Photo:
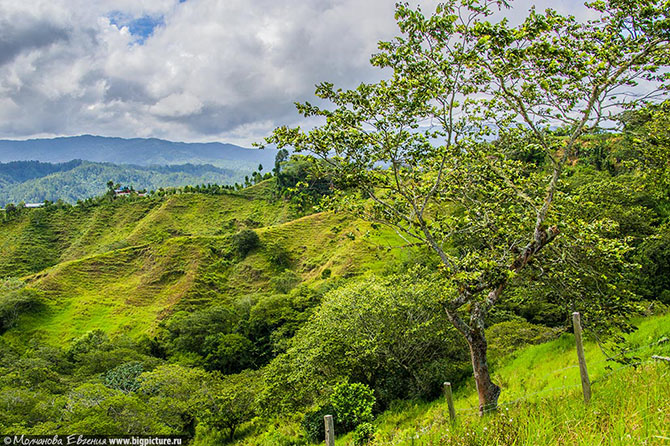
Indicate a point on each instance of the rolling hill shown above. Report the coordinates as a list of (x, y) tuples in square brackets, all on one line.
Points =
[(123, 266), (35, 182)]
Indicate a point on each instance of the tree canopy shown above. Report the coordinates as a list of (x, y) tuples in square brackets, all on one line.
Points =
[(427, 147)]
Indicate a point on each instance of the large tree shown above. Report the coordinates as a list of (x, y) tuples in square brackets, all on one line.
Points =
[(430, 147)]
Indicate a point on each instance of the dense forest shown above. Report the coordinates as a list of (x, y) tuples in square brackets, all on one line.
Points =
[(382, 259), (36, 182)]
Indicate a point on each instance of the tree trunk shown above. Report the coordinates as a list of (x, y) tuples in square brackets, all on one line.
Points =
[(487, 390)]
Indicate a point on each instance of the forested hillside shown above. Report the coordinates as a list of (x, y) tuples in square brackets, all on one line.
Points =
[(465, 221), (254, 286), (35, 182)]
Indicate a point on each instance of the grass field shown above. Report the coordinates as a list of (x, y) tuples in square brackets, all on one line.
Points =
[(542, 402)]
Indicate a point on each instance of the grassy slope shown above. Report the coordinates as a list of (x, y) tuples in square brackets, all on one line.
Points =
[(542, 400), (123, 267)]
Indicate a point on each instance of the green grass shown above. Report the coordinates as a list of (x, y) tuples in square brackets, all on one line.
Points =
[(124, 266), (542, 402)]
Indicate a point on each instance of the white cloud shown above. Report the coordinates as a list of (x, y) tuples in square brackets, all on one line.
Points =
[(176, 105), (212, 70)]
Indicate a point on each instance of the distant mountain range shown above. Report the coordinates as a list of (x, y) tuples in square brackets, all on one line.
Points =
[(78, 167), (34, 181), (137, 151)]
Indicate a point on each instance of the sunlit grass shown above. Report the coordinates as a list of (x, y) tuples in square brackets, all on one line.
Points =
[(543, 405)]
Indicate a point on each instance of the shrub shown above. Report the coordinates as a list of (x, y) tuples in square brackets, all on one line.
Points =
[(231, 402), (124, 377), (245, 241), (285, 281), (91, 341), (314, 425), (363, 434), (353, 404), (278, 255), (15, 299), (228, 353), (326, 273)]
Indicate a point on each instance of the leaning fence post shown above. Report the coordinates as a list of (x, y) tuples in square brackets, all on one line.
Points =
[(586, 383), (330, 430), (450, 402)]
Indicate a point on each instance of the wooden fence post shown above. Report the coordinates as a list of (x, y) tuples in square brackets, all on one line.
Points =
[(586, 383), (330, 430), (450, 402)]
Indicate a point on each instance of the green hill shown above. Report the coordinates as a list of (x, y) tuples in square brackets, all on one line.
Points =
[(123, 266), (163, 286), (35, 182)]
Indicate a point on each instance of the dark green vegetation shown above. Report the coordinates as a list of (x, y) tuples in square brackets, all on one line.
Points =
[(245, 315), (197, 312), (35, 182)]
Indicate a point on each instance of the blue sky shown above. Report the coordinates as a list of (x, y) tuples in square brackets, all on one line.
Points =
[(141, 27)]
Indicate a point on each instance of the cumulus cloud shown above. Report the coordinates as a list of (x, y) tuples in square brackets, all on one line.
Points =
[(195, 70)]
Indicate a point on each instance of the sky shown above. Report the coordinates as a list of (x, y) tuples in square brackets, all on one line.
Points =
[(186, 70)]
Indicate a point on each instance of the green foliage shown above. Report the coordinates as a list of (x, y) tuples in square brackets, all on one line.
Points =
[(363, 434), (303, 181), (187, 331), (245, 241), (97, 409), (124, 377), (654, 258), (387, 333), (313, 424), (92, 341), (232, 402), (353, 404), (648, 139), (285, 281), (274, 320), (278, 255), (506, 337), (16, 299), (228, 353), (177, 394)]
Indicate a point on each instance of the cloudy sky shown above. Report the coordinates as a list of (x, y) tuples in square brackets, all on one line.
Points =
[(195, 70)]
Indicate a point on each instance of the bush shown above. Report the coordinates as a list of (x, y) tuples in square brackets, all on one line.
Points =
[(228, 353), (96, 340), (506, 337), (285, 282), (314, 425), (278, 255), (353, 404), (326, 273), (363, 434), (387, 333), (245, 241), (231, 402), (124, 377), (15, 299)]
